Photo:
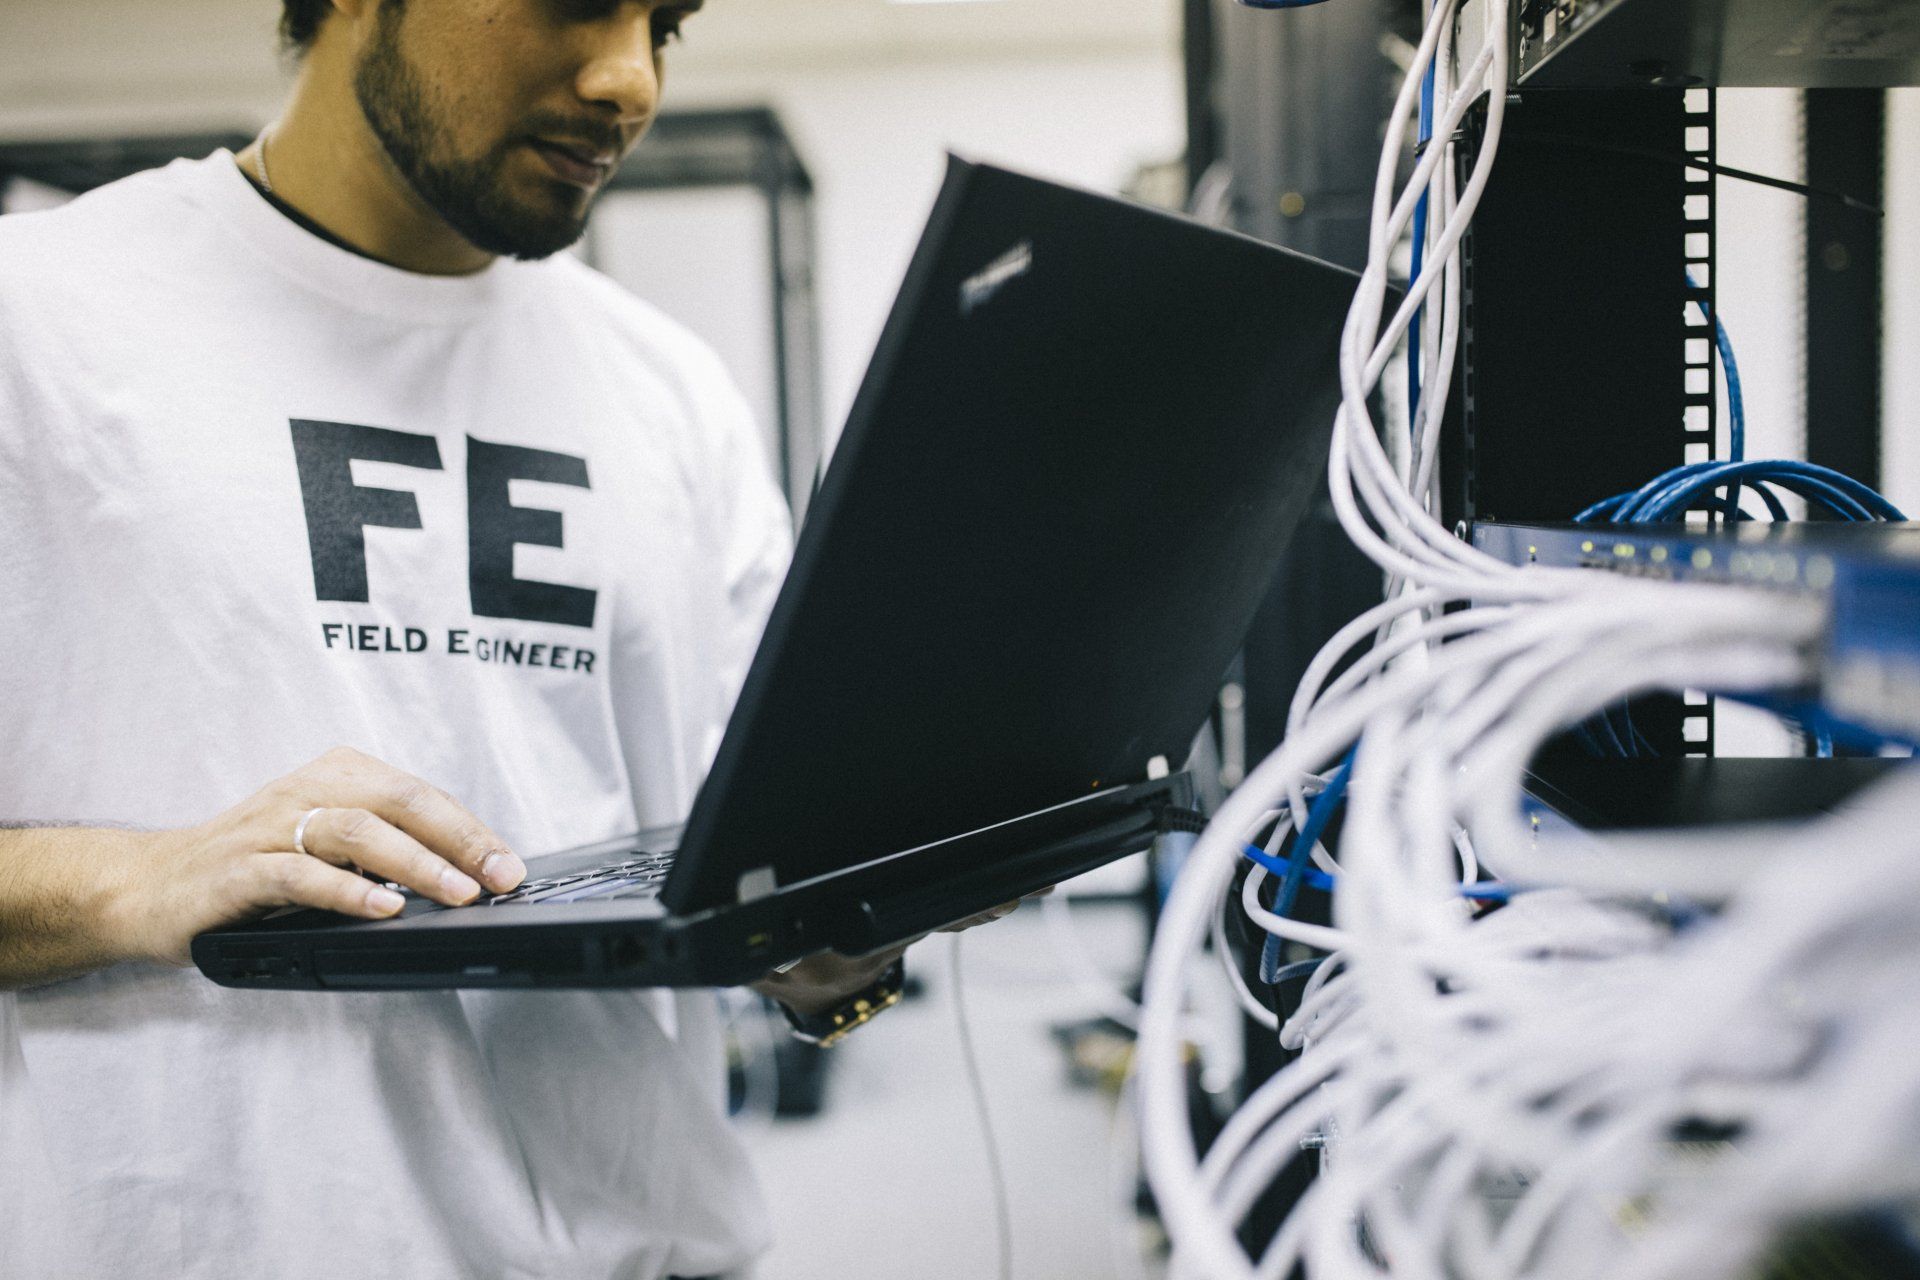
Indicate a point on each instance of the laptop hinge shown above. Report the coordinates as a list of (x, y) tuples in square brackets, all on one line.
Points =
[(758, 883)]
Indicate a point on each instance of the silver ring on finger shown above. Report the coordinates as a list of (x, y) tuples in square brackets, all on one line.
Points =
[(300, 832)]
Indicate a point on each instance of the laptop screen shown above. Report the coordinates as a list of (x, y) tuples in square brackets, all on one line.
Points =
[(1087, 435)]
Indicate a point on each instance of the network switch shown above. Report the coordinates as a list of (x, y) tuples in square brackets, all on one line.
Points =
[(1868, 572)]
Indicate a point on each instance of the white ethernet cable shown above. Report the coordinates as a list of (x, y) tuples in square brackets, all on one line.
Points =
[(1568, 1043), (1447, 1051), (1414, 546), (1550, 1053)]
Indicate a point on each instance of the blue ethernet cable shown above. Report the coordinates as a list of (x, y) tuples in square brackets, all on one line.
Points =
[(1420, 215), (1315, 878), (1671, 494), (1665, 494), (1296, 869), (1736, 398), (1718, 486), (1483, 891), (1668, 496), (1304, 969), (1607, 512), (1835, 500), (1319, 814), (1260, 857)]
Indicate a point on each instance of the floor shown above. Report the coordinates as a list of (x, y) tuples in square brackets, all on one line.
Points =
[(891, 1181)]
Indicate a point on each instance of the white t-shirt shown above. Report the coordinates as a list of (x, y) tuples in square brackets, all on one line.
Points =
[(511, 532)]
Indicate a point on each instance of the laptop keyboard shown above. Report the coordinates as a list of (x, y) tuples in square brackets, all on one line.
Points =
[(640, 876)]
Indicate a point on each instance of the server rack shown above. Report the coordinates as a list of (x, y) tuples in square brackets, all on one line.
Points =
[(1587, 358)]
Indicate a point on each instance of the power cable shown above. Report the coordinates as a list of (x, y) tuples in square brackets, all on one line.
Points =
[(996, 1171)]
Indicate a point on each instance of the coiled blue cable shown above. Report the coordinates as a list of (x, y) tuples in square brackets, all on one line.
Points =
[(1669, 496), (1695, 486)]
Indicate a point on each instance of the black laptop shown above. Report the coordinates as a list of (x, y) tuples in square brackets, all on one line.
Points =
[(1088, 433)]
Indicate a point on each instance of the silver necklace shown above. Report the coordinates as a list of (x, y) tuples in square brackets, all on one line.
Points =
[(260, 154)]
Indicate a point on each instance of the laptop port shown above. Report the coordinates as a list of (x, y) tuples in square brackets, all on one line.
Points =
[(626, 953)]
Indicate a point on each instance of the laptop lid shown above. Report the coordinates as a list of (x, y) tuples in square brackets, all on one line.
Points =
[(1088, 432)]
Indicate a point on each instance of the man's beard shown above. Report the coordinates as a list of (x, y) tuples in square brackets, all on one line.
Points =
[(468, 194)]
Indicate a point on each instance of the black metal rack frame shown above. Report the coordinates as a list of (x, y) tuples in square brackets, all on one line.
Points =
[(1587, 358)]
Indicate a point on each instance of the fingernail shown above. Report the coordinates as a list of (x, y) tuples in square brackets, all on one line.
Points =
[(458, 884), (384, 901), (502, 870)]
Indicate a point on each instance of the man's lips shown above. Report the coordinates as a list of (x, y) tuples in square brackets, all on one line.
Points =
[(580, 166)]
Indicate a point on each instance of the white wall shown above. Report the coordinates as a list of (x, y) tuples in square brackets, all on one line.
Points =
[(1762, 279), (1762, 290), (874, 94), (73, 67), (1762, 265), (717, 281), (874, 138)]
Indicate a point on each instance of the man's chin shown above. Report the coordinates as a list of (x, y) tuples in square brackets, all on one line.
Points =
[(521, 235), (533, 249), (540, 224)]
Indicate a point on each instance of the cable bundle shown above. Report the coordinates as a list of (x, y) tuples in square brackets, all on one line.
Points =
[(1712, 486), (1665, 1046)]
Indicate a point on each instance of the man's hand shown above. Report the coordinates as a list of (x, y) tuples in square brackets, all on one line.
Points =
[(823, 981), (72, 899)]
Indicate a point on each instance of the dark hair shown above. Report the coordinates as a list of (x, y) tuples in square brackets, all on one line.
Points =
[(300, 22)]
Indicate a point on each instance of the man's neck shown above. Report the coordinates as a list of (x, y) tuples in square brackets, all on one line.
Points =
[(323, 161), (300, 219)]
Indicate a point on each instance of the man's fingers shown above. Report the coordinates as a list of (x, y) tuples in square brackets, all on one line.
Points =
[(429, 815), (363, 839), (290, 880)]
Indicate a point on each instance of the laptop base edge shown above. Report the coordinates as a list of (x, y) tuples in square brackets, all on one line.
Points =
[(605, 946)]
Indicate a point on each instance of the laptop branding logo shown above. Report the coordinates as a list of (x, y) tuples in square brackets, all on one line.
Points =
[(979, 290)]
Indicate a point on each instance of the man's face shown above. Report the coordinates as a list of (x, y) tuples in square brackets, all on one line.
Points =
[(507, 116)]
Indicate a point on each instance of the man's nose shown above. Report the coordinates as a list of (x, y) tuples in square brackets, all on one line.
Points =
[(622, 73)]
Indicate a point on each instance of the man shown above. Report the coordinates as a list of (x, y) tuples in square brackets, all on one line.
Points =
[(321, 444)]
